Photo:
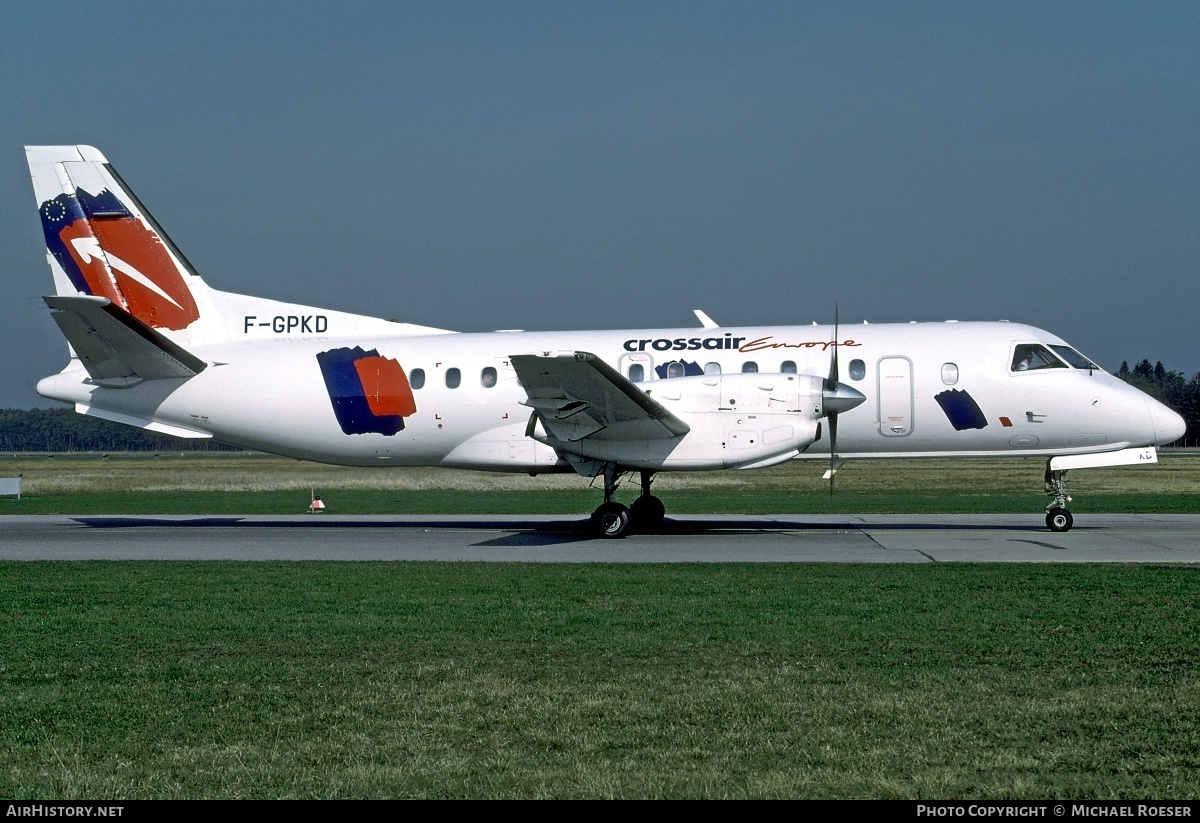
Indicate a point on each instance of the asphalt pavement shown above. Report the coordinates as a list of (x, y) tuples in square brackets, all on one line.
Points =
[(862, 538)]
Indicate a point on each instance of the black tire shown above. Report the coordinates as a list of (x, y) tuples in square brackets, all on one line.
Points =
[(1059, 520), (647, 513), (611, 520)]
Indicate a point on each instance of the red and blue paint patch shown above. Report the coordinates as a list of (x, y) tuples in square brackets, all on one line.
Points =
[(107, 252), (370, 393)]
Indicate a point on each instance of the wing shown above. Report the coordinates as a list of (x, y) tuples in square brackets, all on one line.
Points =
[(578, 395), (114, 346)]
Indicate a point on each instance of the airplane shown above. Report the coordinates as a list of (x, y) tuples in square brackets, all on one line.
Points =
[(152, 345)]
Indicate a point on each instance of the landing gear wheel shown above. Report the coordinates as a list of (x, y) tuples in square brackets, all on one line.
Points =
[(1059, 520), (611, 520), (647, 512)]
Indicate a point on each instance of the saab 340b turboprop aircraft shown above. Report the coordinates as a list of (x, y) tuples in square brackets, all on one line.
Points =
[(152, 345)]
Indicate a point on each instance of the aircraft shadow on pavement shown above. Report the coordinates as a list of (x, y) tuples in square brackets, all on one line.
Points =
[(543, 532)]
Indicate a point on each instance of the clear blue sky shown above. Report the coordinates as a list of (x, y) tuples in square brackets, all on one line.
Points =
[(605, 165)]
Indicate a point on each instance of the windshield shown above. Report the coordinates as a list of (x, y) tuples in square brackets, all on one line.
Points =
[(1032, 356), (1074, 358)]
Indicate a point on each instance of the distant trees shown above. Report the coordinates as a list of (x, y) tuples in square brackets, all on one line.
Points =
[(1173, 389), (62, 430)]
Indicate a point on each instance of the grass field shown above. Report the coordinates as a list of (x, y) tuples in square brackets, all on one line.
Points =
[(222, 483), (263, 680), (128, 680)]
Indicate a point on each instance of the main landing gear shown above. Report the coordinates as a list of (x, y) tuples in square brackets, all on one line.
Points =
[(613, 519), (1058, 519)]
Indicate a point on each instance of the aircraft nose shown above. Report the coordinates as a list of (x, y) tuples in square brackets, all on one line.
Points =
[(1168, 426)]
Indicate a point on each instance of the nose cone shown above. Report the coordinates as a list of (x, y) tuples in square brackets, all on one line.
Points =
[(1168, 426)]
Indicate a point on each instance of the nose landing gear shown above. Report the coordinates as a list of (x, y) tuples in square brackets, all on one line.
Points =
[(1058, 519)]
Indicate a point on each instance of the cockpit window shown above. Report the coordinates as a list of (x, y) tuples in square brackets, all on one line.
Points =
[(1074, 358), (1028, 357)]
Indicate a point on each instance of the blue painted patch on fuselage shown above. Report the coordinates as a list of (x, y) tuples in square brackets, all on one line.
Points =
[(961, 410), (349, 399)]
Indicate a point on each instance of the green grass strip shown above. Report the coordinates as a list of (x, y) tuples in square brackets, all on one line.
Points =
[(160, 680)]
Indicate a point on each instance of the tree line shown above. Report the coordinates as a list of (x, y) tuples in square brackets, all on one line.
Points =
[(1171, 388), (62, 430)]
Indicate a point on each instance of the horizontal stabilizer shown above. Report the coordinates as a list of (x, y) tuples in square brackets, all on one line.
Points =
[(115, 347), (578, 395), (141, 423)]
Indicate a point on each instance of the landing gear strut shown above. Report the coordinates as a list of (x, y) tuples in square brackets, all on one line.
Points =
[(612, 519), (1058, 519)]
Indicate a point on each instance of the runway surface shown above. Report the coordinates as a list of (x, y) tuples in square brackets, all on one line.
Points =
[(865, 538)]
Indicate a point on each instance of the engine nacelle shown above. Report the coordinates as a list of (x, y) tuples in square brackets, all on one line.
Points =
[(748, 393), (737, 421), (743, 420)]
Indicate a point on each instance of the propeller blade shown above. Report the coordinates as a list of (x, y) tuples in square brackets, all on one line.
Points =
[(831, 388), (836, 398), (831, 381), (832, 450)]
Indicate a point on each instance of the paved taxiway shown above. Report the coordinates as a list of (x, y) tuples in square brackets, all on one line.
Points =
[(866, 538)]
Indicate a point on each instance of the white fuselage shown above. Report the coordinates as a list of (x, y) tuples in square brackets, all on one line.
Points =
[(269, 394)]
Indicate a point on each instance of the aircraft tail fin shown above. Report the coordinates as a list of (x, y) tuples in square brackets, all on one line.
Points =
[(102, 242)]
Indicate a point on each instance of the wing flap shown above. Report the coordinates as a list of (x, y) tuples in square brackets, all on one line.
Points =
[(578, 395), (116, 347)]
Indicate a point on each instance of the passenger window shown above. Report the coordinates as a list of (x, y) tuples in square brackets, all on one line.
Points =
[(712, 368), (788, 367), (1029, 357), (416, 378), (675, 369), (453, 378), (637, 373), (750, 367), (949, 373), (487, 377), (858, 369)]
